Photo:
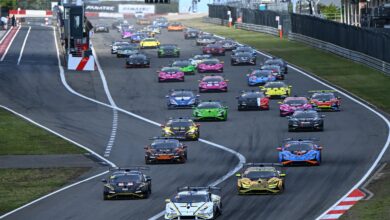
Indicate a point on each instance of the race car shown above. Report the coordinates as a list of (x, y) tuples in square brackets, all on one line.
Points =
[(228, 44), (260, 178), (205, 39), (138, 60), (305, 120), (170, 74), (185, 66), (181, 98), (245, 49), (300, 152), (291, 104), (279, 62), (276, 89), (127, 33), (149, 43), (175, 26), (150, 34), (260, 77), (191, 33), (161, 22), (210, 65), (242, 58), (210, 111), (181, 128), (101, 28), (127, 51), (165, 150), (252, 100), (153, 28), (138, 37), (143, 21), (194, 203), (196, 59), (168, 50), (276, 70), (213, 84), (117, 45), (214, 49), (127, 182), (325, 100)]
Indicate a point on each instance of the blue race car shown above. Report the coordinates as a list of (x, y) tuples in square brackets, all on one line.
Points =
[(300, 152), (138, 37), (260, 77), (181, 98)]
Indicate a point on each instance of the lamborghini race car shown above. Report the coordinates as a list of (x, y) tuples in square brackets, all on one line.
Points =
[(276, 70), (181, 128), (138, 60), (260, 178), (306, 120), (276, 89), (126, 51), (242, 58), (191, 33), (245, 49), (214, 49), (161, 22), (127, 32), (127, 182), (185, 66), (194, 203), (175, 26), (277, 61), (168, 50), (165, 150), (153, 28), (181, 98), (325, 100), (101, 28), (170, 74), (149, 43), (213, 83), (205, 39), (291, 104), (252, 100), (300, 152), (210, 65), (138, 37), (196, 59), (228, 44), (117, 45), (210, 111), (260, 77)]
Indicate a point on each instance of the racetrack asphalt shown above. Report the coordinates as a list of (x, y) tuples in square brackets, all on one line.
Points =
[(352, 138)]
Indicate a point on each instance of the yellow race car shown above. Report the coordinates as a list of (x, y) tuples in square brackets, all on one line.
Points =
[(181, 128), (276, 90), (260, 178), (149, 43)]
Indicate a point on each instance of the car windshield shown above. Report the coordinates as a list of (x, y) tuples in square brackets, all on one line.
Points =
[(243, 54), (190, 198), (270, 67), (170, 69), (210, 62), (179, 123), (150, 39), (214, 46), (205, 105), (253, 95), (277, 62), (305, 114), (120, 43), (261, 73), (182, 93), (260, 175), (325, 96), (138, 56), (181, 63), (244, 49), (298, 146), (127, 178), (201, 57), (275, 85), (206, 37), (167, 46), (295, 102), (212, 79), (165, 144)]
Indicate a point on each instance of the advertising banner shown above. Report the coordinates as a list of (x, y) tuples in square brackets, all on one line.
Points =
[(146, 9), (100, 8)]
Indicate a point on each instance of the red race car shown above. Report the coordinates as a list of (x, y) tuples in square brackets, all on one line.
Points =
[(213, 83), (214, 49), (325, 100)]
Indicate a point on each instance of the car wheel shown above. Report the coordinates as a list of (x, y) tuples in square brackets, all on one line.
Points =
[(290, 129), (105, 197), (232, 63)]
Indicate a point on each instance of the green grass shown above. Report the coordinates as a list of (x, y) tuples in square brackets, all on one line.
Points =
[(20, 186), (19, 137), (377, 208), (370, 85)]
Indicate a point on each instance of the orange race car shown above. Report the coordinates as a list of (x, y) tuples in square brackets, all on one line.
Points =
[(175, 26), (165, 149)]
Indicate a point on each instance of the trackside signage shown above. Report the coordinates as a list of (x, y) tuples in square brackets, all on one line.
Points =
[(100, 8), (146, 9)]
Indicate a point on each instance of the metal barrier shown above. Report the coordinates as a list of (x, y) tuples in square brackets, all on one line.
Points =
[(258, 28), (215, 21), (350, 54)]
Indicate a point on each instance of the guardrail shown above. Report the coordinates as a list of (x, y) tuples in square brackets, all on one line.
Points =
[(350, 54), (215, 21), (258, 28)]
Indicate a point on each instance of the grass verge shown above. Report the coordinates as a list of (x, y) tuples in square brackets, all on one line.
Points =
[(378, 207), (370, 85), (19, 137), (20, 186)]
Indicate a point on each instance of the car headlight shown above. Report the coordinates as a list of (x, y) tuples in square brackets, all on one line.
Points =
[(171, 212), (191, 131), (206, 210), (173, 101), (243, 103), (192, 101)]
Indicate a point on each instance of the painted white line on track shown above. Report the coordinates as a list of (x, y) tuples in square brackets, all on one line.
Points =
[(5, 35), (24, 44), (9, 45)]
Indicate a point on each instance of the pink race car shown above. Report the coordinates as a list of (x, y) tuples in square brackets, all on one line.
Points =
[(291, 104), (213, 83), (170, 74), (210, 65)]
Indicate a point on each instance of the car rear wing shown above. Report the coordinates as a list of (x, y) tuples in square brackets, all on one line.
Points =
[(262, 165), (198, 188), (130, 168), (301, 139), (164, 138), (321, 91)]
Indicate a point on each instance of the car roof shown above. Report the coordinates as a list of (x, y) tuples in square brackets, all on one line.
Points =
[(210, 77), (295, 98), (254, 169)]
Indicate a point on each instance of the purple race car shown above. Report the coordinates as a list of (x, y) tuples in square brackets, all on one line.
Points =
[(290, 104), (210, 65), (127, 33), (170, 74), (213, 83)]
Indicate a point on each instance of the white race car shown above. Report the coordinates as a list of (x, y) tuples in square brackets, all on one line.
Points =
[(194, 203)]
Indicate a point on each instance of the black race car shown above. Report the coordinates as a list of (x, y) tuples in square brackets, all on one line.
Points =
[(181, 128), (305, 120), (252, 100), (228, 44), (276, 70), (127, 50), (191, 33), (127, 182), (101, 28), (278, 62), (245, 49), (168, 50), (165, 150), (242, 58), (138, 60)]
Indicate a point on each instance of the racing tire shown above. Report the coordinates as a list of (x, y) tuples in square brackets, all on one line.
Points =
[(105, 197), (290, 129), (232, 63), (221, 71)]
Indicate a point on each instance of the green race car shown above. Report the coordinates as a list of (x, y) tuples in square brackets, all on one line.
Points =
[(210, 110), (168, 50), (185, 66)]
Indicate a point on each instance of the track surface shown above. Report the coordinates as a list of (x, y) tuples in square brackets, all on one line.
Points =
[(352, 138)]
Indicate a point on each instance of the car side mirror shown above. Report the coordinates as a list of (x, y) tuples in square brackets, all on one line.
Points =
[(282, 174), (148, 178), (167, 200), (197, 125), (280, 102), (279, 149), (238, 175), (104, 181)]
